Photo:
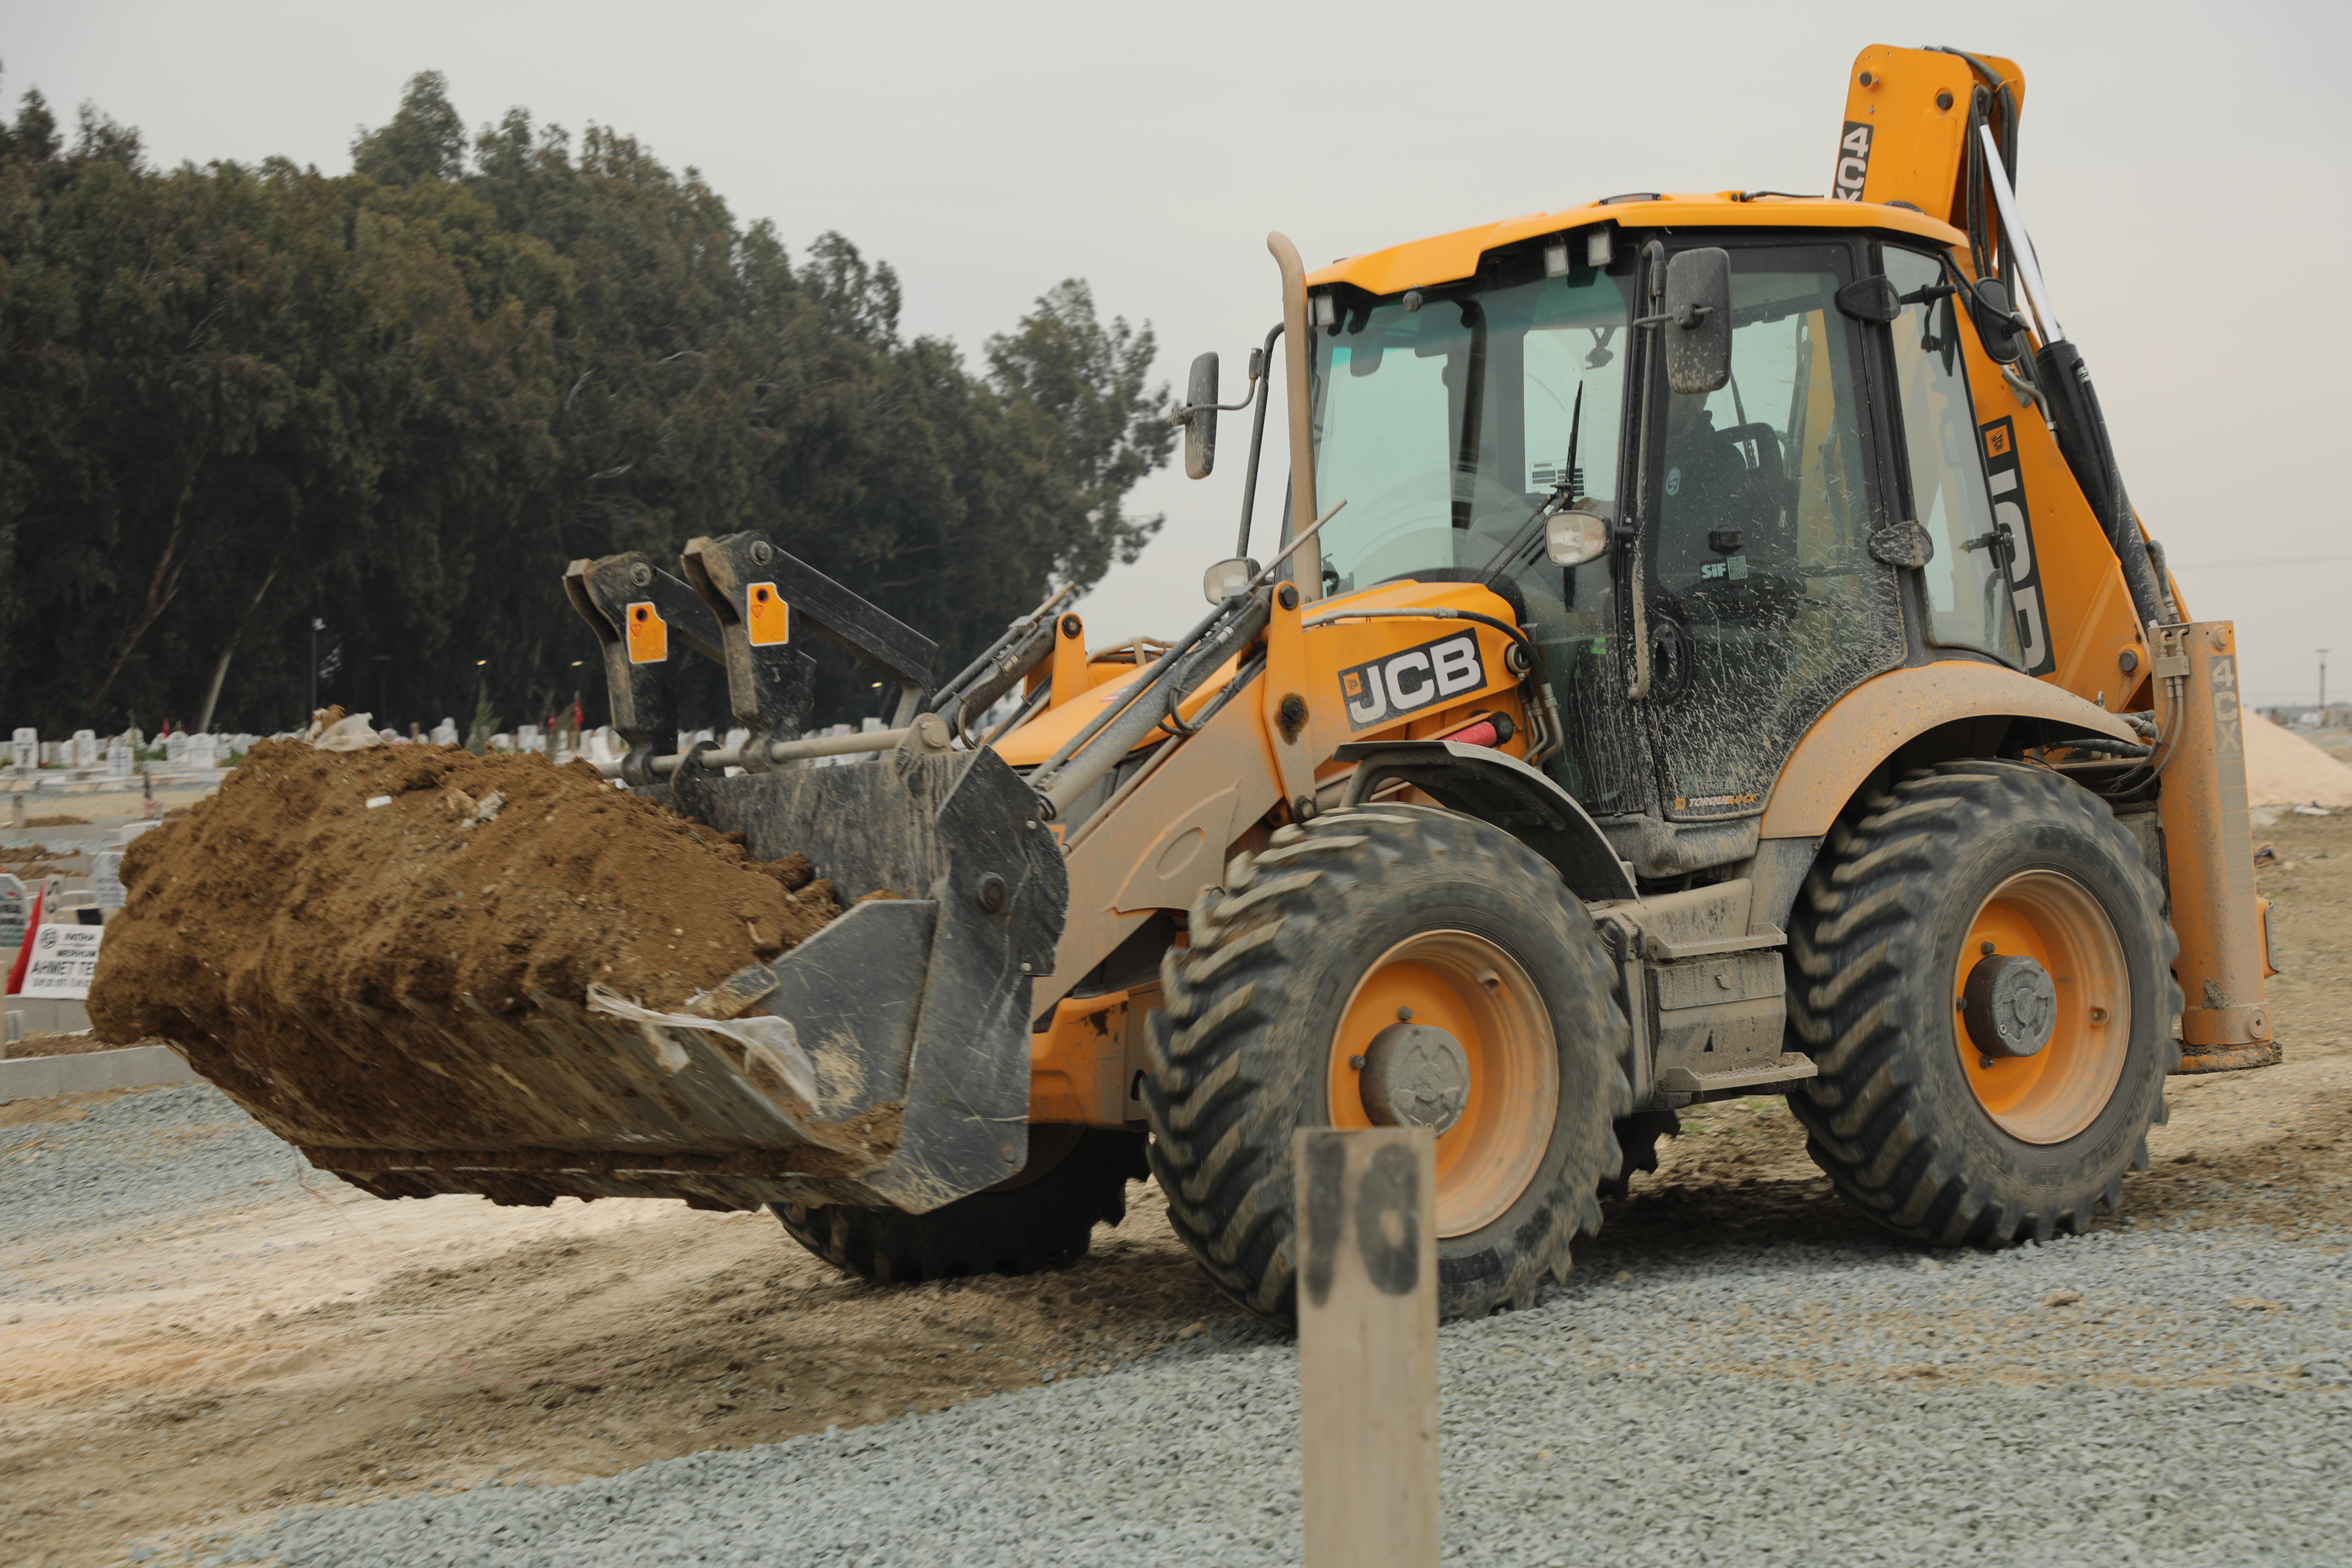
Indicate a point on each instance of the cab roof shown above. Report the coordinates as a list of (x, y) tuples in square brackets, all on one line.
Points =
[(1445, 258)]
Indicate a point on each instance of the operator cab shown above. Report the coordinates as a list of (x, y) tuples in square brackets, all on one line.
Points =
[(1742, 597)]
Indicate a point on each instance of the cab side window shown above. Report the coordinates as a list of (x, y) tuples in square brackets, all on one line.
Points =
[(1967, 576)]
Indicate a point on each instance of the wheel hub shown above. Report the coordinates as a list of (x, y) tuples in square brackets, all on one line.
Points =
[(1415, 1074), (2012, 1006)]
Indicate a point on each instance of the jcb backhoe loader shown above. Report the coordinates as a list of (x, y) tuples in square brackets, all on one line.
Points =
[(1709, 651)]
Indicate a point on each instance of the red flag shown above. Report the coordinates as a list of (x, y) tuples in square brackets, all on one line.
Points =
[(40, 891)]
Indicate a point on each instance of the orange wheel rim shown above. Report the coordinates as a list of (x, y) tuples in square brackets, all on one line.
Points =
[(2054, 1094), (1478, 993)]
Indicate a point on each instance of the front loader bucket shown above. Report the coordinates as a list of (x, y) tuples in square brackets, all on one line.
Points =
[(883, 1061)]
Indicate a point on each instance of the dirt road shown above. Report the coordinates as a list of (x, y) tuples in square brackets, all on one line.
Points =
[(172, 1379)]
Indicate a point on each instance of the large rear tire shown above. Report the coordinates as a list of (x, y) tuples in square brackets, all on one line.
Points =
[(1363, 919), (1934, 1127), (1044, 1217)]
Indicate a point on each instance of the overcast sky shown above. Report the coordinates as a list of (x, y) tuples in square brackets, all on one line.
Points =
[(2181, 169)]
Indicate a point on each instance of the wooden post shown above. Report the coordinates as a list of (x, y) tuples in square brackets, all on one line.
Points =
[(1367, 1346)]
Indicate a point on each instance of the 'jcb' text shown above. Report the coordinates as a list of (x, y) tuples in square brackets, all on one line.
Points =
[(1407, 682)]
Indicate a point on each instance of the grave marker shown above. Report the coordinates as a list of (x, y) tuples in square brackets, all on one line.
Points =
[(106, 879), (1367, 1205), (25, 749), (63, 958), (16, 905)]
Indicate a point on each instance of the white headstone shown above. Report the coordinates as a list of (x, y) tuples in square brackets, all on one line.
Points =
[(204, 751), (106, 879), (118, 758), (64, 959), (529, 738), (176, 749), (85, 748), (444, 733), (25, 750), (13, 903)]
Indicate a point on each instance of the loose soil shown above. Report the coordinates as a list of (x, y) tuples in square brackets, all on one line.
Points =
[(2283, 768), (325, 1342), (263, 927), (73, 1043), (329, 1345), (485, 876)]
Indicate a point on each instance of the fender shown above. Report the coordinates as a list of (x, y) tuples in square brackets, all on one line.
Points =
[(1868, 724), (1499, 789)]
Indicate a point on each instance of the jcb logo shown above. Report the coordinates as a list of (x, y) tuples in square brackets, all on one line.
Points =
[(1407, 682), (2008, 509), (1853, 161)]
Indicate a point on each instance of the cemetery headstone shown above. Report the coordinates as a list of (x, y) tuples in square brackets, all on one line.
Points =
[(25, 749), (176, 749), (204, 750), (85, 748), (16, 903), (444, 733), (63, 959), (106, 879)]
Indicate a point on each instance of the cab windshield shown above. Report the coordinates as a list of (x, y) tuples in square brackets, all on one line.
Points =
[(1444, 421)]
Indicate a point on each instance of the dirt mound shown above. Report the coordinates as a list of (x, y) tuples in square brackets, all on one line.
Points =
[(320, 883), (2285, 769)]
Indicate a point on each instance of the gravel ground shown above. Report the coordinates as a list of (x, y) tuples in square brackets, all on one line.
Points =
[(166, 1151), (1742, 1370), (1844, 1404)]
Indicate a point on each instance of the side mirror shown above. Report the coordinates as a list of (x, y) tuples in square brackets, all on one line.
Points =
[(1697, 327), (1201, 418), (1998, 324), (1573, 537), (1226, 578)]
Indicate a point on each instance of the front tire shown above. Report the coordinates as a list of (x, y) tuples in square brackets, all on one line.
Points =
[(1923, 1120), (1363, 919)]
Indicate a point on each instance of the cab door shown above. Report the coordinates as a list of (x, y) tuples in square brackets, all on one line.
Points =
[(1761, 603)]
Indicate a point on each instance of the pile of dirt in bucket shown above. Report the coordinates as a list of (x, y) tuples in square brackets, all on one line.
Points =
[(319, 882)]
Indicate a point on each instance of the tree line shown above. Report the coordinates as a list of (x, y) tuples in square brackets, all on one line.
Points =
[(251, 412)]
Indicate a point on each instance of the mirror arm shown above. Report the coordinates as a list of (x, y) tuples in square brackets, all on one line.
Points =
[(1690, 316)]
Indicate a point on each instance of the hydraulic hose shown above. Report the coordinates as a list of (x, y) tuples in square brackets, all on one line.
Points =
[(2090, 452)]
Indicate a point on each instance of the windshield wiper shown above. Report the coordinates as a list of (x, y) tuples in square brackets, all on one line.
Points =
[(1561, 493)]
